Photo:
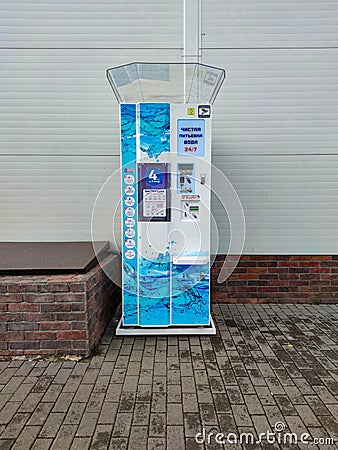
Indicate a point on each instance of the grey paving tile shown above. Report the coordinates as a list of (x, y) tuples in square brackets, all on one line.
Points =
[(122, 424), (156, 443), (42, 444), (95, 402), (52, 425), (64, 437), (208, 413), (157, 424), (174, 414), (87, 425), (40, 414), (141, 414), (52, 393), (143, 393), (8, 411), (127, 401), (6, 444), (108, 413), (26, 438), (241, 415), (175, 438), (117, 443), (15, 426), (174, 393), (101, 437), (74, 413)]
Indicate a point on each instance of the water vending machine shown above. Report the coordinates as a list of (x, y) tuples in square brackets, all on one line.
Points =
[(165, 126)]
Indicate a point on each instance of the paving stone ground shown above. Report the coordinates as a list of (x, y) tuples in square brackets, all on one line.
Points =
[(268, 364)]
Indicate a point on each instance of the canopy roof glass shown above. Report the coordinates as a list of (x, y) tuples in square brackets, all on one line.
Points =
[(161, 82)]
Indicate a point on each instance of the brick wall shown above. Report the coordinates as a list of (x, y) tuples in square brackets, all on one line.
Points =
[(56, 314), (281, 279)]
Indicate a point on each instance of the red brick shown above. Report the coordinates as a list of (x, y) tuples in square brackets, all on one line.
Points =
[(267, 264), (23, 307), (18, 287), (71, 297), (329, 264), (278, 270), (81, 344), (246, 276), (257, 270), (243, 257), (299, 258), (70, 316), (24, 345), (299, 283), (45, 352), (310, 276), (309, 263), (260, 257), (3, 307), (299, 270), (247, 264), (320, 270), (71, 335), (322, 257), (39, 317), (78, 325), (291, 276), (54, 287), (23, 326), (39, 335), (288, 263), (55, 344), (77, 287), (55, 307), (12, 336), (11, 317), (268, 276), (44, 326), (11, 298), (278, 283), (39, 298)]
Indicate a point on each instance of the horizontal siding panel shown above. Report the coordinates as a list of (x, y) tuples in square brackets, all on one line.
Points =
[(60, 102), (88, 24), (276, 101), (292, 212), (36, 205), (266, 23)]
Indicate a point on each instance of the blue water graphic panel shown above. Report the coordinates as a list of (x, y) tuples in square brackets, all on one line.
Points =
[(154, 128), (129, 214), (154, 285), (190, 295)]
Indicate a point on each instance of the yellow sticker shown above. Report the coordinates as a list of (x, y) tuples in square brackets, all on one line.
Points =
[(191, 111)]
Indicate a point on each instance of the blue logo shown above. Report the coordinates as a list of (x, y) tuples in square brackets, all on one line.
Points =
[(154, 177)]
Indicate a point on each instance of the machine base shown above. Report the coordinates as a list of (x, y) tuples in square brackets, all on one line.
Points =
[(165, 331)]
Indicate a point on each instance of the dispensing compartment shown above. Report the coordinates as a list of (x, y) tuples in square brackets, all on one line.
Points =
[(190, 290)]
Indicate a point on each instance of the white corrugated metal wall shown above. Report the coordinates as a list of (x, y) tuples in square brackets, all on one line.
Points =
[(276, 119), (59, 131)]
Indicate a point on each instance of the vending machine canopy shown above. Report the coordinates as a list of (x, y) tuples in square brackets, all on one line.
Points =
[(165, 82)]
